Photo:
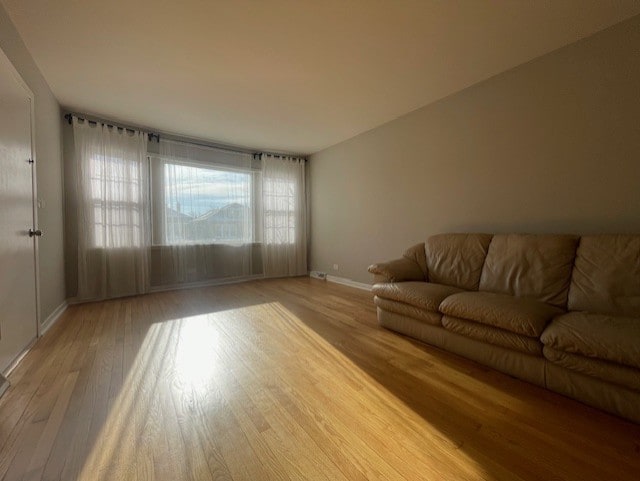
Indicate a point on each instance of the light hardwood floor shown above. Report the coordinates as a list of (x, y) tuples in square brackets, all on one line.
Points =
[(284, 380)]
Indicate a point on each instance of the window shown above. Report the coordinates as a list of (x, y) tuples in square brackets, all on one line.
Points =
[(279, 211), (115, 199), (202, 204)]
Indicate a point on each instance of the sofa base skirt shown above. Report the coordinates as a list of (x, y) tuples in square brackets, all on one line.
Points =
[(594, 392), (522, 366), (537, 370)]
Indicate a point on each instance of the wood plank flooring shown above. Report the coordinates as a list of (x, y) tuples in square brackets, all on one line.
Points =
[(282, 380)]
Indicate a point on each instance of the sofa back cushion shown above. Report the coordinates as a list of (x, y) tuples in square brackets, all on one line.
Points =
[(416, 254), (456, 259), (606, 277), (527, 265)]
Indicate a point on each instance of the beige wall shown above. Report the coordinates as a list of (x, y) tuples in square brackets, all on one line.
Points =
[(550, 146), (48, 168)]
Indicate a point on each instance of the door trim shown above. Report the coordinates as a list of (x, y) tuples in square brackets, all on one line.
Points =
[(34, 207)]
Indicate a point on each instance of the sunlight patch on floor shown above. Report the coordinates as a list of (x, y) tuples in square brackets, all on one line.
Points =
[(196, 361), (193, 353)]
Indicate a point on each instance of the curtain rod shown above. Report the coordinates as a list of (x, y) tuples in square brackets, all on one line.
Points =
[(238, 150), (151, 135), (279, 156), (207, 145)]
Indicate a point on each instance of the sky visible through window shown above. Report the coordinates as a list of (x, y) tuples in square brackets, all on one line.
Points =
[(194, 191)]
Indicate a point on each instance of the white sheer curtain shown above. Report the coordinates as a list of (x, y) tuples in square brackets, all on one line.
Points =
[(207, 195), (111, 173), (204, 206), (192, 215), (284, 251)]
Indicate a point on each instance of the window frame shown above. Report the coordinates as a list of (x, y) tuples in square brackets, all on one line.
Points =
[(157, 188)]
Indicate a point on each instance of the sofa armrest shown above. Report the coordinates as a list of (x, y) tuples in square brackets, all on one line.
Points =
[(398, 270)]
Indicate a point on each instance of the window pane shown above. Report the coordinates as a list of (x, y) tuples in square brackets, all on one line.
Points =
[(115, 195), (279, 211), (205, 205)]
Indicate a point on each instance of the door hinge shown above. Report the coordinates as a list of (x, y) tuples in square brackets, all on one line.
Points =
[(31, 161)]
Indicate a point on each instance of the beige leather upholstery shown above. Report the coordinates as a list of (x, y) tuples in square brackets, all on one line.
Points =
[(493, 335), (502, 301), (527, 317), (456, 259), (429, 317), (611, 338), (412, 266), (536, 266), (425, 295), (607, 371), (606, 277), (379, 279), (595, 392), (398, 270), (417, 254), (518, 364)]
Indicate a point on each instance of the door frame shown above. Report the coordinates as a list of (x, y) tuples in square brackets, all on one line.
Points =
[(34, 195)]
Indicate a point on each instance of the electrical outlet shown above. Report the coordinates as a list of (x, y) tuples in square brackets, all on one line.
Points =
[(335, 267)]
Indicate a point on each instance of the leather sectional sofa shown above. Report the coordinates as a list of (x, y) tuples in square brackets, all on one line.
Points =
[(559, 311)]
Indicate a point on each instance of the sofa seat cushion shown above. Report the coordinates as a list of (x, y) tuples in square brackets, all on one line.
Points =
[(430, 317), (598, 336), (524, 316), (425, 295), (493, 335), (624, 376)]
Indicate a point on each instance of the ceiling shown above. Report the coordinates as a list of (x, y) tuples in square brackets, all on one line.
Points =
[(286, 75)]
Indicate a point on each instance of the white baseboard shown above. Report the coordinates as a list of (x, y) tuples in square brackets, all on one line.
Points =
[(4, 384), (52, 318), (348, 282), (9, 369)]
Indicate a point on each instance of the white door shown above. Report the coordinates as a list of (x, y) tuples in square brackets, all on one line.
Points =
[(18, 323)]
